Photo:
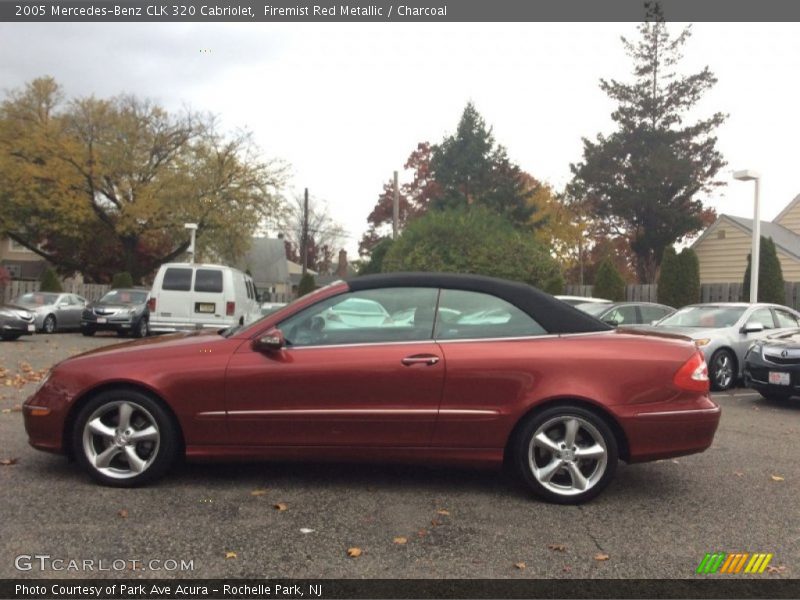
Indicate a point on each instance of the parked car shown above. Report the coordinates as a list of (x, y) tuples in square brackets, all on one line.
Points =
[(626, 313), (53, 311), (725, 330), (558, 393), (15, 321), (196, 296), (580, 299), (772, 366), (122, 310)]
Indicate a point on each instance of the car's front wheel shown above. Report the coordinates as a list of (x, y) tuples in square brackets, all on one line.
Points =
[(566, 454), (49, 324), (142, 329), (124, 438), (722, 370), (87, 332), (10, 337)]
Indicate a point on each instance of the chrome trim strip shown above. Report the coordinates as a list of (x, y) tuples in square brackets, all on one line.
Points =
[(350, 411), (679, 412)]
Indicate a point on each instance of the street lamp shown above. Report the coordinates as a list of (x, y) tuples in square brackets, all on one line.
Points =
[(193, 228), (749, 175)]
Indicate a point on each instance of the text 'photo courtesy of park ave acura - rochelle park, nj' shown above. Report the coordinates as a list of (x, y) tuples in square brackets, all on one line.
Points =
[(431, 300)]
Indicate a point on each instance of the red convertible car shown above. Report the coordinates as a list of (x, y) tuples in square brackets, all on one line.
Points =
[(440, 368)]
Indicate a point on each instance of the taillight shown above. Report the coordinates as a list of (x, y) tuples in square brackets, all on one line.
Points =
[(230, 308), (151, 305), (693, 375)]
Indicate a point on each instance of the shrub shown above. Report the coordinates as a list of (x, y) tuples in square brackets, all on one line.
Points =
[(608, 283), (306, 285), (121, 280), (770, 275), (49, 281)]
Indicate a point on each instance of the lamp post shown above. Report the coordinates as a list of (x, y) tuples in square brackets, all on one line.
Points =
[(749, 175), (193, 228)]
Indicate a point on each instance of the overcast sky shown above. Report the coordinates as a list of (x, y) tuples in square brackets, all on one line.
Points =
[(345, 104)]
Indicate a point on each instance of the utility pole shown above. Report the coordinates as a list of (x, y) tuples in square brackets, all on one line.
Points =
[(304, 237), (395, 208)]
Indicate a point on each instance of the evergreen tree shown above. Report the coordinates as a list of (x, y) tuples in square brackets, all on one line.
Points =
[(306, 285), (121, 280), (643, 178), (375, 262), (770, 276), (49, 282), (609, 283), (669, 279), (689, 277)]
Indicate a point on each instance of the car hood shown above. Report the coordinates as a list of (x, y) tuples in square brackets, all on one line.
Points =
[(164, 344), (14, 307), (787, 339), (36, 307), (116, 305)]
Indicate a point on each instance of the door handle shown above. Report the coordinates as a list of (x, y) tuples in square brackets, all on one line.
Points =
[(428, 360)]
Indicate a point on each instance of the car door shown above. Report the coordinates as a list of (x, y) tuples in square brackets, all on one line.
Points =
[(336, 383), (761, 315), (68, 312)]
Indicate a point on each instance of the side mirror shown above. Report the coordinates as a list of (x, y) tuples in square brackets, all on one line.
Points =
[(272, 341), (752, 327), (612, 322)]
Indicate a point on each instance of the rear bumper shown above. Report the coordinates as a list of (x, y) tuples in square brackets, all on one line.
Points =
[(171, 326)]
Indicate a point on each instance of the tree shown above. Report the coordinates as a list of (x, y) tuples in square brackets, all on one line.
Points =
[(376, 258), (106, 185), (472, 240), (609, 283), (644, 178), (306, 285), (472, 170), (49, 282), (669, 282), (121, 280), (770, 275), (689, 272), (325, 236)]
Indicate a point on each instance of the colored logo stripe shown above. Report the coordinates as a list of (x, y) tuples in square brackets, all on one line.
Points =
[(723, 562)]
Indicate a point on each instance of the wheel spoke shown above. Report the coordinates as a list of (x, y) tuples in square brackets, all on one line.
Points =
[(578, 480), (543, 441), (595, 451), (125, 412), (546, 473), (99, 428), (571, 430), (134, 462), (148, 434), (103, 460)]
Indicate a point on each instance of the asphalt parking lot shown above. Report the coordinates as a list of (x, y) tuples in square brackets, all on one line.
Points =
[(656, 520)]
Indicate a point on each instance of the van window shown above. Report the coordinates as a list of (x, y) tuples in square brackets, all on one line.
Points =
[(208, 280), (177, 279)]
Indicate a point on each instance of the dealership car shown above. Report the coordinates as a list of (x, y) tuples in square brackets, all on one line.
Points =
[(626, 313), (122, 310), (772, 365), (15, 321), (53, 311), (725, 330), (558, 394)]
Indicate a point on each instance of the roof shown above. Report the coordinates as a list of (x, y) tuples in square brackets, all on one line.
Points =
[(266, 261), (552, 314), (788, 207), (785, 239)]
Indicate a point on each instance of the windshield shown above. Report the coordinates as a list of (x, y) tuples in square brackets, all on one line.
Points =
[(37, 299), (125, 297), (593, 308), (711, 317)]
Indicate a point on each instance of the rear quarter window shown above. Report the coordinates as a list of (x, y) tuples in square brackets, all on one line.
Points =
[(208, 280), (177, 279)]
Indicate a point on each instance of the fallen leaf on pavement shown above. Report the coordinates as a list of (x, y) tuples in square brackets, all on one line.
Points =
[(777, 478), (258, 492), (400, 540), (6, 411), (567, 569), (354, 552), (601, 556), (738, 473), (443, 511), (435, 523), (17, 408), (422, 533), (280, 506), (557, 547), (306, 530), (772, 569), (520, 565), (7, 462), (230, 554), (123, 513)]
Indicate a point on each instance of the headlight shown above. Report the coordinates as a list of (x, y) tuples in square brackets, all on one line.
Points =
[(755, 347), (702, 342), (6, 313), (42, 382), (24, 314)]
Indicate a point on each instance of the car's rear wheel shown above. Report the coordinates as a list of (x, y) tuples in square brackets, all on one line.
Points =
[(49, 324), (88, 332), (566, 454), (142, 328), (722, 370), (124, 438)]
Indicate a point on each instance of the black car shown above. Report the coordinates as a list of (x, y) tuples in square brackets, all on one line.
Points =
[(15, 321), (626, 313), (772, 366), (122, 310)]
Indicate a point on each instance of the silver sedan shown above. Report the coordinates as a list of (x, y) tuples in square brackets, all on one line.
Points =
[(53, 311), (725, 330)]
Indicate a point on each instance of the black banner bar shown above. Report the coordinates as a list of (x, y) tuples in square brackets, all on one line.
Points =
[(309, 589), (411, 11)]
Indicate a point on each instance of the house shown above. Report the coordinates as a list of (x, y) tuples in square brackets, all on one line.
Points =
[(20, 262), (723, 248), (267, 264)]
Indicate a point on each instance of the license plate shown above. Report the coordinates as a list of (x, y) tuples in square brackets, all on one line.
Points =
[(31, 328), (102, 320), (204, 307), (778, 378)]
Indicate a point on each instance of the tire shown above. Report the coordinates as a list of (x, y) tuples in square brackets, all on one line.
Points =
[(142, 329), (722, 370), (49, 324), (10, 337), (88, 332), (556, 472), (108, 454), (121, 333)]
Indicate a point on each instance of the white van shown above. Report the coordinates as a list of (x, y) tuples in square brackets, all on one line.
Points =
[(193, 296)]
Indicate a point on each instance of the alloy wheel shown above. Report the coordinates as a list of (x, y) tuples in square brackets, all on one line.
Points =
[(723, 370), (49, 324)]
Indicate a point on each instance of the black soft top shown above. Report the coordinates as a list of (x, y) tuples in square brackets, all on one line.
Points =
[(552, 314)]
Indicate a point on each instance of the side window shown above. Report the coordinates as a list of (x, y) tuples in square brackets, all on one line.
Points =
[(177, 279), (763, 316), (652, 313), (786, 319), (208, 280), (472, 315), (622, 315), (368, 316)]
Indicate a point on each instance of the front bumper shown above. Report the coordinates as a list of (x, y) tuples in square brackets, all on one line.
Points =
[(111, 324), (756, 377), (11, 326)]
